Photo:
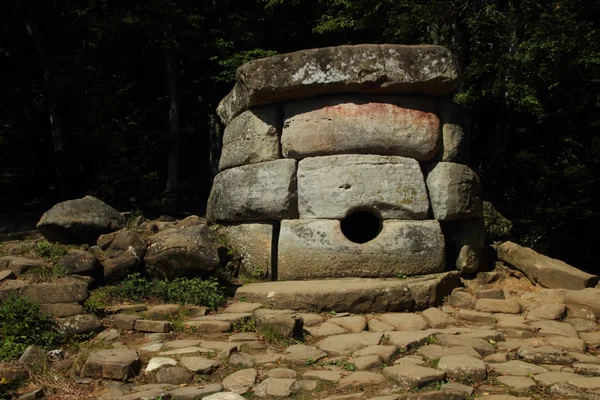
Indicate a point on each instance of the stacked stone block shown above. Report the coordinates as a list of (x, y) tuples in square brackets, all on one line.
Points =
[(352, 161)]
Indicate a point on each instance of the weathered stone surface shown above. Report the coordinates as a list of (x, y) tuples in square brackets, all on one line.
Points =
[(118, 364), (224, 396), (81, 262), (188, 251), (518, 368), (299, 353), (276, 387), (20, 265), (329, 376), (498, 306), (281, 373), (463, 300), (588, 298), (256, 192), (517, 383), (547, 311), (408, 339), (199, 365), (196, 392), (366, 68), (434, 351), (174, 375), (123, 255), (145, 325), (390, 125), (455, 142), (465, 244), (250, 138), (79, 324), (413, 375), (332, 186), (33, 356), (65, 290), (436, 318), (360, 379), (240, 381), (6, 275), (550, 378), (319, 249), (62, 309), (354, 295), (385, 353), (554, 328), (79, 221), (480, 345), (159, 362), (354, 323), (286, 325), (348, 343), (544, 355), (454, 191), (462, 366), (404, 321), (253, 242), (544, 270)]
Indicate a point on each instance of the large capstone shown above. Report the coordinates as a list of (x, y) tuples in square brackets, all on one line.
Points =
[(255, 192), (79, 221), (333, 186), (319, 249), (402, 126), (366, 68)]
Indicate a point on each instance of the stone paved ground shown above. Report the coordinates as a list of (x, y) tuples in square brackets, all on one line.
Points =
[(500, 344)]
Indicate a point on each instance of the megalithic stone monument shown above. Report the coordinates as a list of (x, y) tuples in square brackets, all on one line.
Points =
[(349, 162)]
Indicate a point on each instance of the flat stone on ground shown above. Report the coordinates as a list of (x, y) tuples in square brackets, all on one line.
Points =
[(300, 354), (159, 362), (436, 318), (240, 381), (384, 352), (498, 306), (348, 343), (550, 378), (329, 376), (413, 375), (354, 324), (517, 383), (199, 365), (434, 351), (518, 368), (547, 311), (404, 321), (117, 364), (144, 325), (276, 387), (554, 328), (210, 326), (476, 317), (361, 379), (460, 367), (481, 346)]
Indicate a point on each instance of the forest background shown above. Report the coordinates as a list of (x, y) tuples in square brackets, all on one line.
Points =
[(117, 98)]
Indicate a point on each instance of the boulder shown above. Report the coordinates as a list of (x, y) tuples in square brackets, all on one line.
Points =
[(190, 251), (313, 249), (65, 290), (331, 187), (366, 68), (81, 262), (253, 242), (252, 137), (255, 192), (544, 270), (387, 125), (20, 265), (465, 244), (455, 142), (123, 255), (454, 191), (79, 221), (79, 324)]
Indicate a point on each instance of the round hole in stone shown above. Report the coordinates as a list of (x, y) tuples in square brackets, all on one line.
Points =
[(361, 226)]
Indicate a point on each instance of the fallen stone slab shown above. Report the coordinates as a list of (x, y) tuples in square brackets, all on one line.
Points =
[(255, 192), (384, 352), (159, 362), (325, 329), (224, 396), (117, 364), (481, 346), (585, 299), (251, 137), (554, 328), (544, 270), (366, 68), (407, 339), (436, 318), (387, 125), (404, 321), (210, 326), (318, 248), (282, 324), (329, 187), (123, 321), (329, 376), (544, 355), (354, 294), (547, 311)]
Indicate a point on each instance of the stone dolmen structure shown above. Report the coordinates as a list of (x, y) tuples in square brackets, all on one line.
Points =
[(348, 162)]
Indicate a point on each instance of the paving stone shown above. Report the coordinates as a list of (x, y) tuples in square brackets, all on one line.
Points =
[(348, 343), (498, 306), (308, 385), (434, 351), (241, 359), (587, 369), (266, 358), (585, 358), (461, 366), (210, 326), (180, 344), (476, 317), (485, 334), (299, 354), (499, 357), (144, 325), (552, 311), (592, 339), (582, 325), (407, 340), (361, 379), (112, 364), (240, 381), (311, 319), (457, 387), (404, 321), (480, 345), (366, 362), (544, 355), (587, 298), (436, 318), (276, 387), (411, 360), (199, 365), (580, 312), (229, 317), (186, 350), (386, 353), (413, 375), (353, 324), (461, 299), (550, 378), (375, 325), (195, 392), (518, 368), (159, 362), (497, 294), (151, 347), (174, 375), (325, 329), (242, 307), (123, 321), (554, 328), (567, 343), (585, 383), (329, 376), (281, 373), (517, 384), (226, 347), (224, 396)]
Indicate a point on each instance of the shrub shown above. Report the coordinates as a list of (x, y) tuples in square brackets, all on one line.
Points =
[(49, 251), (22, 324)]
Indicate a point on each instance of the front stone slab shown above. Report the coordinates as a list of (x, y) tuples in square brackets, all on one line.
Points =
[(366, 68), (256, 192), (401, 126), (252, 137), (253, 242), (333, 186), (454, 191), (356, 295), (316, 249)]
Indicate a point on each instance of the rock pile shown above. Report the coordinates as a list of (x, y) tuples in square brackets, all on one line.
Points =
[(348, 162)]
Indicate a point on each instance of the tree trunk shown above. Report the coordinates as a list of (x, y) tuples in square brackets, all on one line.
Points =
[(172, 75), (52, 94)]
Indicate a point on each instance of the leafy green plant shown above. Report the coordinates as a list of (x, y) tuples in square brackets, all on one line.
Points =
[(310, 361), (401, 276), (50, 252), (348, 366), (22, 324), (244, 325)]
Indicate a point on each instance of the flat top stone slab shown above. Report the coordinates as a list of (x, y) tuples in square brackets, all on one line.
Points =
[(366, 68)]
